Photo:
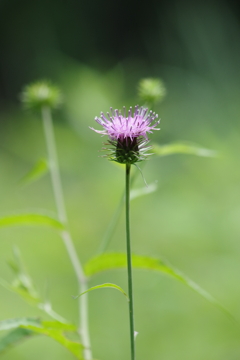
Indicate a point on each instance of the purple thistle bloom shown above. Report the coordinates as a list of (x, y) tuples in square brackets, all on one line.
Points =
[(134, 125), (128, 134)]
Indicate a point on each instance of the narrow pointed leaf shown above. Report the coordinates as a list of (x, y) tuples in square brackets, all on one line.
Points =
[(109, 261), (38, 170), (182, 148), (30, 219), (65, 334), (106, 285)]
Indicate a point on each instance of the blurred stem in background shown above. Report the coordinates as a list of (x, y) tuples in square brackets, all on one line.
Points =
[(114, 220), (108, 235), (66, 236), (129, 261), (111, 227)]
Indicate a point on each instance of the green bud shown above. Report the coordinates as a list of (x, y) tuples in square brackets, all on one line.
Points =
[(151, 90), (40, 94)]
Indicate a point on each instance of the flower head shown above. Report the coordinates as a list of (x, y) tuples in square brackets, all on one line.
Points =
[(128, 133)]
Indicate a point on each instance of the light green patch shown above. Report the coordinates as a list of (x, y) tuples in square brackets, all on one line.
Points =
[(37, 171), (30, 220), (182, 148)]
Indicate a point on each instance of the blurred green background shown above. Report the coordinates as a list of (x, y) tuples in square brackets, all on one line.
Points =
[(97, 52)]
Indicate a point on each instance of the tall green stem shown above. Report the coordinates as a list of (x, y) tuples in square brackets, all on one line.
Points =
[(66, 236), (129, 262)]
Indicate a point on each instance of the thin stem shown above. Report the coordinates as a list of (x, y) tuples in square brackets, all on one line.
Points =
[(129, 262), (47, 307), (66, 236)]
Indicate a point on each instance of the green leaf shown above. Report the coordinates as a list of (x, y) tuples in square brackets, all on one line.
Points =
[(30, 220), (61, 333), (15, 323), (65, 334), (13, 338), (182, 148), (38, 170), (106, 285), (109, 261)]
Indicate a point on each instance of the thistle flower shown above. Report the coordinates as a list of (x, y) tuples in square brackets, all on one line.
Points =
[(127, 134)]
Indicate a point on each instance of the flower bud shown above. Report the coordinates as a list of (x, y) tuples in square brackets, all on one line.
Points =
[(40, 94), (151, 90)]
